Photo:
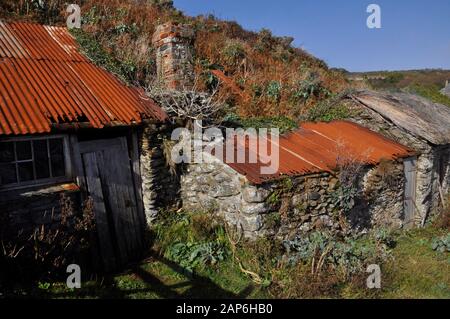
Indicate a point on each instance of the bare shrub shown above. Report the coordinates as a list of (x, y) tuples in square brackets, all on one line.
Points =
[(350, 168), (189, 103), (45, 252)]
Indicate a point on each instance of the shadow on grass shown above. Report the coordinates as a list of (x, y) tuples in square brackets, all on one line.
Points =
[(150, 286)]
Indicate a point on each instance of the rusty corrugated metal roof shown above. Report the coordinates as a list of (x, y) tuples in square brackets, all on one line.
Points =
[(320, 147), (44, 80)]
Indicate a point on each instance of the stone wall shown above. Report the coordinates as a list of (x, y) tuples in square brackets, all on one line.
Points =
[(381, 201), (429, 162), (160, 186), (290, 206)]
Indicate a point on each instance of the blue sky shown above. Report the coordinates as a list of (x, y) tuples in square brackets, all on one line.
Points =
[(415, 34)]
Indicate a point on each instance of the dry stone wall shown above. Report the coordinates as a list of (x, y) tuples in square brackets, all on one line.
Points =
[(291, 206), (160, 186)]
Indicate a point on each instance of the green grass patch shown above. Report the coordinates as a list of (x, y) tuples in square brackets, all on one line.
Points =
[(91, 48), (431, 92), (283, 123), (331, 109), (418, 271)]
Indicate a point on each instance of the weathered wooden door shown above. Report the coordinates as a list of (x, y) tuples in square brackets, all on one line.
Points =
[(410, 191), (109, 182)]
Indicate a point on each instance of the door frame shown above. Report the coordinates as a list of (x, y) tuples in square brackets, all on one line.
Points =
[(410, 189)]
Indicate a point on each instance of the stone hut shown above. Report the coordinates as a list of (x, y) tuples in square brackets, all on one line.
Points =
[(307, 191), (422, 126)]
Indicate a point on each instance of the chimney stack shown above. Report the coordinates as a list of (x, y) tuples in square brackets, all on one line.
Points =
[(174, 54)]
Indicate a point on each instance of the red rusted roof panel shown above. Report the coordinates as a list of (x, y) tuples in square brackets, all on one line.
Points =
[(44, 80), (319, 147)]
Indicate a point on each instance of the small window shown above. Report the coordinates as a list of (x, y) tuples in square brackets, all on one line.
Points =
[(31, 161)]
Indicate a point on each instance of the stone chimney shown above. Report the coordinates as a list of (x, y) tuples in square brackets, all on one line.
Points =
[(174, 52)]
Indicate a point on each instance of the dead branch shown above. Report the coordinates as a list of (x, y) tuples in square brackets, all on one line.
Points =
[(188, 103)]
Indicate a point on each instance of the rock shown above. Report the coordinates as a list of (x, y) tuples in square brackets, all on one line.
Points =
[(313, 196), (312, 203), (224, 190), (204, 179), (253, 195), (222, 177), (254, 209), (251, 224), (298, 199), (332, 184)]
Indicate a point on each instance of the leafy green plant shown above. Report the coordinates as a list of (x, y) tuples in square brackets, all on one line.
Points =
[(441, 244), (283, 123), (346, 256), (307, 88), (385, 237), (273, 91), (95, 52), (192, 255), (234, 51), (44, 285), (124, 28), (274, 198), (330, 109), (345, 197), (191, 239)]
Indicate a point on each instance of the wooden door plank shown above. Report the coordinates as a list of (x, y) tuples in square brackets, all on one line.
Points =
[(107, 169), (95, 190), (131, 207)]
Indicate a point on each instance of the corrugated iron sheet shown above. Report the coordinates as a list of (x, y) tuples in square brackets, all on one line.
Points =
[(320, 147), (44, 80)]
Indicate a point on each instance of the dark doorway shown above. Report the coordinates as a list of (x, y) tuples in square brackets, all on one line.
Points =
[(109, 182)]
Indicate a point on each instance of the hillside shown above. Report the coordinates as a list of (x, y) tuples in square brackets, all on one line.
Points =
[(426, 83), (277, 79)]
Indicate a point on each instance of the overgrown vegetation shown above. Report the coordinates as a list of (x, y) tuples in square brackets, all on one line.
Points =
[(283, 123), (276, 78), (191, 240), (333, 108), (44, 253), (196, 256), (91, 48), (397, 80)]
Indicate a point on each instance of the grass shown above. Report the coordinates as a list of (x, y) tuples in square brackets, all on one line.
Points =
[(418, 271), (154, 279), (282, 123), (414, 270), (431, 92)]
